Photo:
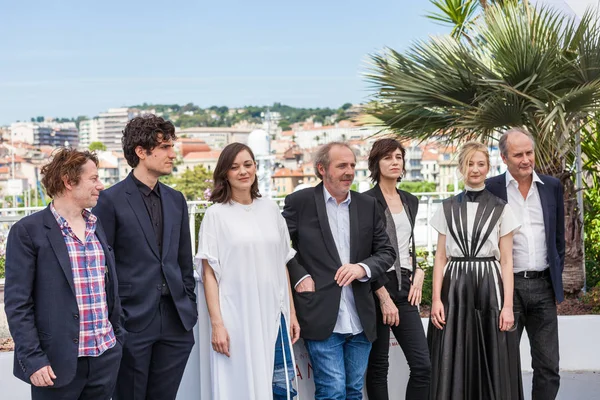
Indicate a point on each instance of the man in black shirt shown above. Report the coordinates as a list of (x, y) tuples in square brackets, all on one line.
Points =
[(147, 224)]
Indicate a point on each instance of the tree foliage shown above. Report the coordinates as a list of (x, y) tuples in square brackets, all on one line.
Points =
[(517, 66), (537, 69), (97, 146), (417, 186), (190, 115), (193, 183)]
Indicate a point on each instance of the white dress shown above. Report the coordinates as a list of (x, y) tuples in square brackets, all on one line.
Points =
[(247, 247)]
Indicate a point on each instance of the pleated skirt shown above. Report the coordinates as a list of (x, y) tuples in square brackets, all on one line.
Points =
[(471, 358)]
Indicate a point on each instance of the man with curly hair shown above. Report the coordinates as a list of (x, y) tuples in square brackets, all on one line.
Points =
[(146, 222)]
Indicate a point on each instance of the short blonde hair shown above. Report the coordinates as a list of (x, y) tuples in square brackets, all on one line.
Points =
[(466, 153)]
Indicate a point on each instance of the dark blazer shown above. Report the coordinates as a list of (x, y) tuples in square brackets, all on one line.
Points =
[(39, 297), (411, 205), (139, 263), (551, 196), (306, 218)]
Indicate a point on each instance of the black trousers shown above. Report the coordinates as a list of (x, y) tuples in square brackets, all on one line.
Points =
[(535, 306), (411, 338), (154, 359), (94, 379)]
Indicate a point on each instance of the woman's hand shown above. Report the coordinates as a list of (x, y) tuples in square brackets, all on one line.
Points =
[(416, 288), (294, 328), (438, 318), (507, 319), (220, 339), (391, 316)]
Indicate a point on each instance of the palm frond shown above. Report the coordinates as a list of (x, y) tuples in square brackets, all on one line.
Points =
[(524, 66)]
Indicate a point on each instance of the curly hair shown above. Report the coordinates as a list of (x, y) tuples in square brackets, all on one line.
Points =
[(66, 162), (144, 131), (380, 149), (221, 192)]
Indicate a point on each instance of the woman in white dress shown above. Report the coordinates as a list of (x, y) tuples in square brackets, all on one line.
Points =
[(243, 247), (473, 344)]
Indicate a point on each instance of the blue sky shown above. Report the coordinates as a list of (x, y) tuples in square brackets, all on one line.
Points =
[(69, 58)]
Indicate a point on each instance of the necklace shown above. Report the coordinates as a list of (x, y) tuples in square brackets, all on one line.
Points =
[(245, 207)]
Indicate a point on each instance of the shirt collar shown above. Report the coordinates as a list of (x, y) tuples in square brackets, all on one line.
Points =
[(62, 222), (328, 196), (510, 178), (145, 189)]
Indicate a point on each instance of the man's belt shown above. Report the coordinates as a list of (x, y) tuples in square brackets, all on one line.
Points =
[(534, 274)]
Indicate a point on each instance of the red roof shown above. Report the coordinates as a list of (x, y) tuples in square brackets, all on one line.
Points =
[(202, 155), (106, 164)]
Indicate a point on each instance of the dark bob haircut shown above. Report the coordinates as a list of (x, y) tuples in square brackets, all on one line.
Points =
[(67, 163), (147, 131), (221, 192), (380, 149)]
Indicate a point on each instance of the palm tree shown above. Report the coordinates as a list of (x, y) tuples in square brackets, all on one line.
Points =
[(519, 67)]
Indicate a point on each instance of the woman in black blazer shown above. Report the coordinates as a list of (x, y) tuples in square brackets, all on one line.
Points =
[(398, 293)]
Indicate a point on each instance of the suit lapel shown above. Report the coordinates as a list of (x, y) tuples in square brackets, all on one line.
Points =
[(110, 268), (544, 201), (324, 223), (409, 211), (168, 203), (353, 230), (502, 187), (57, 241), (134, 198)]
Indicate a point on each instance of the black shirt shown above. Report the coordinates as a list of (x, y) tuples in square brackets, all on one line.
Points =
[(153, 204)]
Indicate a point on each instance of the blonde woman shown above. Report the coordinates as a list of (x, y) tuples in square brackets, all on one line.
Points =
[(472, 340)]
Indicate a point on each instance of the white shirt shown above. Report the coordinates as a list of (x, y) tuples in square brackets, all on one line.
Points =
[(403, 231), (529, 243), (338, 216)]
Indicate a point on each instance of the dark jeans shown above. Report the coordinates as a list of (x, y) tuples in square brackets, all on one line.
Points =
[(535, 306), (94, 379), (155, 358), (411, 337)]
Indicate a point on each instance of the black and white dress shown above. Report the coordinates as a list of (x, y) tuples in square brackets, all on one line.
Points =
[(471, 358)]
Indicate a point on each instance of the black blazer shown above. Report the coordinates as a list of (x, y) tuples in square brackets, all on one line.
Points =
[(551, 196), (306, 218), (411, 205), (139, 263), (39, 297)]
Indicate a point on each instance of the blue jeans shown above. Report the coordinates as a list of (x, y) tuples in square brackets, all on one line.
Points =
[(339, 364), (283, 363)]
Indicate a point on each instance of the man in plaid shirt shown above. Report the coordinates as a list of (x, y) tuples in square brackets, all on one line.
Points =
[(61, 290)]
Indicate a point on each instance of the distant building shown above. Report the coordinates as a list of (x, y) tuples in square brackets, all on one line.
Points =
[(88, 132), (190, 145), (310, 136), (412, 162), (448, 163), (285, 180), (216, 138), (112, 167), (208, 159), (45, 133), (110, 125), (430, 169)]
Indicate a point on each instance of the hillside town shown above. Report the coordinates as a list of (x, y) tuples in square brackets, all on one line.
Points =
[(26, 146)]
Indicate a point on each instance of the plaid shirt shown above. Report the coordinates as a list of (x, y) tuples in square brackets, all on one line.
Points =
[(88, 265)]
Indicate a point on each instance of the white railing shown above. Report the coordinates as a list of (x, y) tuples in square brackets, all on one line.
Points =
[(425, 236)]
